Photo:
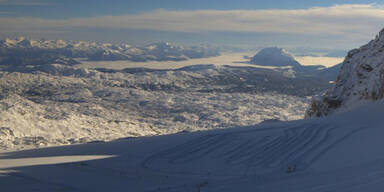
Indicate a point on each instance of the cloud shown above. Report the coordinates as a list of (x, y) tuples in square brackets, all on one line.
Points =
[(350, 22)]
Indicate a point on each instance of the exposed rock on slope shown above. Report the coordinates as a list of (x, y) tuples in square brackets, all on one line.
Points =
[(360, 79)]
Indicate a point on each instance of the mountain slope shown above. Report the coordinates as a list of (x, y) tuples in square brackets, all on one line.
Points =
[(360, 80), (337, 153)]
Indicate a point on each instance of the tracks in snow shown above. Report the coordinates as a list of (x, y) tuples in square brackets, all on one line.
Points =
[(266, 150)]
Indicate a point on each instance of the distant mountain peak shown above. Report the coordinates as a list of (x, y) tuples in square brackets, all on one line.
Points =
[(275, 51), (274, 56), (161, 45)]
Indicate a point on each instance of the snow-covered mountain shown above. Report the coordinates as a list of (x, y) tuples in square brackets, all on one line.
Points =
[(23, 51), (360, 80), (274, 56), (281, 58)]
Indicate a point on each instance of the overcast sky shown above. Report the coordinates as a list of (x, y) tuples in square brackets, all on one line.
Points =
[(241, 23)]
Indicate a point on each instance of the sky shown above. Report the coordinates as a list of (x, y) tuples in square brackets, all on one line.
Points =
[(247, 24)]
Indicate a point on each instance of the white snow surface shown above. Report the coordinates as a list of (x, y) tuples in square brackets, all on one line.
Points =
[(76, 105), (336, 153)]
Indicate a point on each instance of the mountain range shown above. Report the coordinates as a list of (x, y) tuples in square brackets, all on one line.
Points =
[(22, 52)]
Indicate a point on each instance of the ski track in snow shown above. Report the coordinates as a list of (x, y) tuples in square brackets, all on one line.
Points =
[(249, 158), (274, 151)]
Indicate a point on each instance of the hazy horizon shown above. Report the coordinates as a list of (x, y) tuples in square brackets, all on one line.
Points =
[(297, 25)]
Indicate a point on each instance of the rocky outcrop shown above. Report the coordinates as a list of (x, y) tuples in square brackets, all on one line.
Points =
[(361, 79)]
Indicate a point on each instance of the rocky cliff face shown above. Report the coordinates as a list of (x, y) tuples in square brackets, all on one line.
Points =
[(360, 80)]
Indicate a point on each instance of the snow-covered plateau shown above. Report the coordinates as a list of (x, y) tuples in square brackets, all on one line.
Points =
[(58, 104), (48, 98)]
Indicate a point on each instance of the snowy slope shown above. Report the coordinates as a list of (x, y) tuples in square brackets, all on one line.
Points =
[(336, 153), (360, 80)]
